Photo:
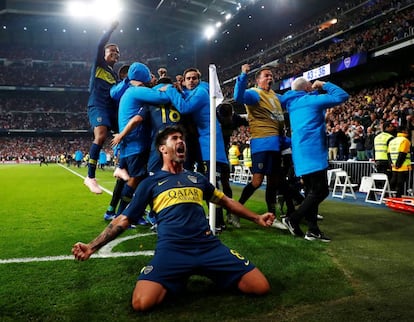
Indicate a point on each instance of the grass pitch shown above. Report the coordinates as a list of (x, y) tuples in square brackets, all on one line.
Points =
[(364, 274)]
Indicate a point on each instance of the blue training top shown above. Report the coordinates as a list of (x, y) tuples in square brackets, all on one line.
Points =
[(197, 103), (131, 104), (307, 121)]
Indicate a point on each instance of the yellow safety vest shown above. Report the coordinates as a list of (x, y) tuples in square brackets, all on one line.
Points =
[(247, 157), (397, 145), (380, 145), (234, 155)]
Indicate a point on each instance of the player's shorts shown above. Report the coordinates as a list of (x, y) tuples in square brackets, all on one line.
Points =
[(267, 162), (173, 267), (103, 116), (122, 163), (136, 164), (220, 168)]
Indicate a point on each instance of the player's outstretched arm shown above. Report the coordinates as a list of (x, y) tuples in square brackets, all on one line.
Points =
[(132, 124), (83, 251), (238, 209)]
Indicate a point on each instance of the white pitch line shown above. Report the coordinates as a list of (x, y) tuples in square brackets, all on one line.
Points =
[(81, 176), (104, 252), (69, 257)]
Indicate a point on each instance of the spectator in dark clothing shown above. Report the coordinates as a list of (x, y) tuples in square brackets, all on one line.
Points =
[(229, 121), (359, 140), (369, 144), (343, 146), (333, 147)]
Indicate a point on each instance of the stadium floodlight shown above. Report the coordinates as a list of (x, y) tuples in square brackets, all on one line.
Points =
[(209, 32), (105, 10), (78, 9)]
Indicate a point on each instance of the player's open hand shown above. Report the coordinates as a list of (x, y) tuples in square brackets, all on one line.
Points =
[(115, 140)]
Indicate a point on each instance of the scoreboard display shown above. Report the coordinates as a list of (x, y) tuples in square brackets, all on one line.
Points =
[(328, 69)]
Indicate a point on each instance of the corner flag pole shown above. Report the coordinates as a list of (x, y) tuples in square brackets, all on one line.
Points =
[(213, 134)]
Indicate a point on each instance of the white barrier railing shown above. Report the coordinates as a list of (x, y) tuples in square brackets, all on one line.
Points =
[(358, 169)]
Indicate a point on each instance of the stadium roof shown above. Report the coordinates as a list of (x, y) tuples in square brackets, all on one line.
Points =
[(183, 15), (177, 14), (173, 26)]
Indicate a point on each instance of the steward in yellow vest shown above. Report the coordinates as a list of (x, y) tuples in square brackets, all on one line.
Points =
[(381, 142), (400, 159), (234, 154), (247, 156)]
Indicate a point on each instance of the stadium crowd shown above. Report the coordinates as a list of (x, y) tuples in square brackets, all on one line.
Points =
[(366, 108), (374, 24), (370, 26), (33, 148), (46, 110)]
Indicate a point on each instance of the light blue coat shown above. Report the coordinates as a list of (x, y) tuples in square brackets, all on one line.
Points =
[(307, 120)]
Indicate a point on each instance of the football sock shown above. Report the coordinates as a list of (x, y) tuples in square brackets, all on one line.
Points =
[(247, 192), (271, 199), (93, 159), (126, 196), (116, 194)]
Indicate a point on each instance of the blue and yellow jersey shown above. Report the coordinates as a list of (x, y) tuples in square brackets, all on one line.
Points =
[(177, 200), (102, 78), (160, 117)]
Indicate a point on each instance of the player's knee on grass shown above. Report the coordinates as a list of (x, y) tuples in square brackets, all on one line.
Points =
[(254, 282), (146, 295)]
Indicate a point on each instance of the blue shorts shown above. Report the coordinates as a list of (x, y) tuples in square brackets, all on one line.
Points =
[(136, 164), (103, 116), (267, 162), (173, 267)]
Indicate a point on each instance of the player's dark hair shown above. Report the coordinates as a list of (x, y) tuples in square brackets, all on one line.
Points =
[(110, 45), (192, 69), (259, 71), (163, 134), (123, 71)]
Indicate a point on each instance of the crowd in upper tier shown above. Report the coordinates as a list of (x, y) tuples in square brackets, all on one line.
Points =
[(57, 110)]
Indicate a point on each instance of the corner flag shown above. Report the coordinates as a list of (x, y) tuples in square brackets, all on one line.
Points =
[(216, 97)]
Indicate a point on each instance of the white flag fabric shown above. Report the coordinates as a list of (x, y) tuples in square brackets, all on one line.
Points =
[(218, 94)]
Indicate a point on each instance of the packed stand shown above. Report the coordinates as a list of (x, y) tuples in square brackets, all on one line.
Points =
[(293, 59)]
